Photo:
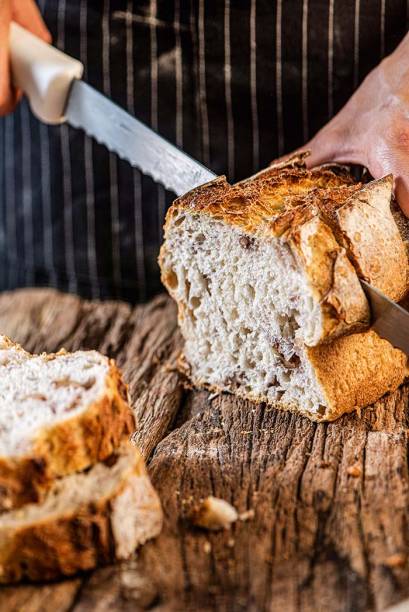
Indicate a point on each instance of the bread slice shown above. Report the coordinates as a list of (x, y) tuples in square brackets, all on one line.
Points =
[(266, 277), (85, 520), (59, 414)]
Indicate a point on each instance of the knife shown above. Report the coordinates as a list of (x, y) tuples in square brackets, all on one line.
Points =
[(52, 83), (388, 319)]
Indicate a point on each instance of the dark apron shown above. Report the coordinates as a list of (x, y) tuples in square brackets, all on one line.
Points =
[(233, 83)]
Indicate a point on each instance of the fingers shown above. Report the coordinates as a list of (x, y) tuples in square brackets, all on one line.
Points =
[(388, 152), (323, 148), (27, 14), (402, 193), (393, 162), (333, 143), (7, 93)]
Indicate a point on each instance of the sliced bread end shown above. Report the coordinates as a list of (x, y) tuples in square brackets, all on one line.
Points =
[(85, 520), (72, 439)]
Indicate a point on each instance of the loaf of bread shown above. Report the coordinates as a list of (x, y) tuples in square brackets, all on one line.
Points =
[(85, 520), (266, 277), (59, 414)]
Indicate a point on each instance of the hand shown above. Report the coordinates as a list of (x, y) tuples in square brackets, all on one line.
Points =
[(25, 13), (372, 129)]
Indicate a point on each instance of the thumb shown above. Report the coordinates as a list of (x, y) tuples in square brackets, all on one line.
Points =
[(333, 143), (402, 193), (401, 188)]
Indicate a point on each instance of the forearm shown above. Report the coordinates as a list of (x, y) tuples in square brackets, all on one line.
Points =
[(7, 94)]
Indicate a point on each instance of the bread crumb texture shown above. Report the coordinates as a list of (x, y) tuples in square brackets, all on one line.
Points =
[(59, 414), (266, 274), (214, 514)]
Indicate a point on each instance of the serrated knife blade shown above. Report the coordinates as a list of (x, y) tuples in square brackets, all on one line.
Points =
[(389, 319), (123, 134)]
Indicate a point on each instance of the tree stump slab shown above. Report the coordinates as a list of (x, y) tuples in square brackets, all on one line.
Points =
[(325, 507)]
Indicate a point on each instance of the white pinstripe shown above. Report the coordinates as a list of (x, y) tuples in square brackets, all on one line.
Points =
[(154, 68), (356, 42), (178, 76), (27, 194), (279, 82), (68, 221), (304, 71), (331, 59), (227, 92), (161, 211), (202, 86), (383, 10), (154, 106), (195, 66), (48, 245), (67, 189), (89, 175), (253, 85), (130, 98), (113, 169), (10, 195), (136, 177)]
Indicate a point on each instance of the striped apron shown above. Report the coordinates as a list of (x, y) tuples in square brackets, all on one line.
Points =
[(233, 82)]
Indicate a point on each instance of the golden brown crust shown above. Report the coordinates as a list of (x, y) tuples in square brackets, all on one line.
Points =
[(332, 279), (69, 446), (299, 205), (343, 219), (338, 230), (274, 201), (81, 538), (373, 239), (355, 371)]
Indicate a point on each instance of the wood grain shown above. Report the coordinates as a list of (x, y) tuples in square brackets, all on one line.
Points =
[(330, 501)]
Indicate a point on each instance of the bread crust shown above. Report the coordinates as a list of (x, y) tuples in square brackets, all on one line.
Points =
[(332, 279), (287, 201), (353, 372), (78, 539), (373, 240), (69, 446), (339, 231)]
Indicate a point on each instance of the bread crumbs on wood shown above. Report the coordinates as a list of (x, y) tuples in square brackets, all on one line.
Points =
[(354, 471), (214, 514), (248, 515), (395, 560), (207, 547)]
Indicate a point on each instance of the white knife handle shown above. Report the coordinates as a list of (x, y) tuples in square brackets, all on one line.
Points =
[(43, 72)]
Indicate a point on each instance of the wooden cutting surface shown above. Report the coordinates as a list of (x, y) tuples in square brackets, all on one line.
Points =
[(331, 501)]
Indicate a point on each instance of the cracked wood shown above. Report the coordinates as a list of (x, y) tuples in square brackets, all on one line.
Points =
[(330, 530)]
